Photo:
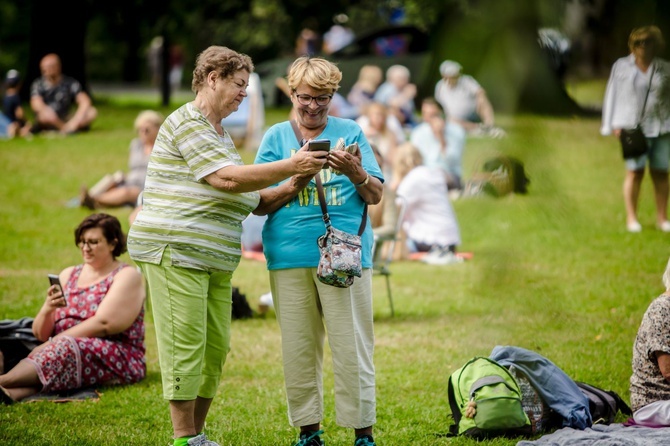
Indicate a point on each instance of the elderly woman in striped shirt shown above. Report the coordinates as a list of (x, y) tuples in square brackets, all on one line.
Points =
[(186, 238)]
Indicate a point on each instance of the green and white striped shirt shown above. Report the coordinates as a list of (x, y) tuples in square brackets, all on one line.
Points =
[(201, 225)]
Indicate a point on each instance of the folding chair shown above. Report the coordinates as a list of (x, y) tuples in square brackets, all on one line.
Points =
[(382, 259)]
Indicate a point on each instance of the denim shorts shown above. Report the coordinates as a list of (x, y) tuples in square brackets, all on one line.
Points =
[(658, 155)]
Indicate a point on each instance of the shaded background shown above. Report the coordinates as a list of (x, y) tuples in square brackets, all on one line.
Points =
[(495, 40)]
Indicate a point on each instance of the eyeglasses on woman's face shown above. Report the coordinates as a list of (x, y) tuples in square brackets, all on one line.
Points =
[(92, 243), (643, 42), (305, 99)]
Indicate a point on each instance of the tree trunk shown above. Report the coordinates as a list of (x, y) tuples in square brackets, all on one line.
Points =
[(55, 28), (498, 46)]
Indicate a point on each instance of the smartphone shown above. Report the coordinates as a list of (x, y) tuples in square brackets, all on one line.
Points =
[(55, 280), (319, 144)]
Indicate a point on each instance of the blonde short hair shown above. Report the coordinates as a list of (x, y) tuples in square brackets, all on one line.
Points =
[(317, 73), (149, 117), (652, 31), (224, 61), (405, 158)]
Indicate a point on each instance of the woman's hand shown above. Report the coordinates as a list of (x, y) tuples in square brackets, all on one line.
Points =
[(616, 132), (347, 163), (308, 162), (55, 298)]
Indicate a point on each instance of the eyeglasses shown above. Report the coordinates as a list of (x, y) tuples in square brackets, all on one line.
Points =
[(640, 42), (305, 99), (90, 243)]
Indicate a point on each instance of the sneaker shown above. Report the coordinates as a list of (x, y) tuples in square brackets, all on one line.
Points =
[(310, 439), (634, 227), (441, 257), (665, 226), (364, 440), (201, 440)]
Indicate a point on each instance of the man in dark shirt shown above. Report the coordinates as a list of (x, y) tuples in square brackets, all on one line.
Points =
[(53, 94)]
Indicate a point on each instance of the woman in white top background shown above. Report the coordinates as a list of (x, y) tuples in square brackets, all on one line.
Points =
[(627, 87)]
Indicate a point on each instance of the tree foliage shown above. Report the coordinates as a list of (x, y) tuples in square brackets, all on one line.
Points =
[(494, 40)]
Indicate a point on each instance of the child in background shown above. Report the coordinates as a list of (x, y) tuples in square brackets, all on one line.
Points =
[(11, 106)]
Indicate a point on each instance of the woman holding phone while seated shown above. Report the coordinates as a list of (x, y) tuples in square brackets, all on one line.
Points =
[(93, 330)]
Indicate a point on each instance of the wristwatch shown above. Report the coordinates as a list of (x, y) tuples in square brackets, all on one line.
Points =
[(364, 182)]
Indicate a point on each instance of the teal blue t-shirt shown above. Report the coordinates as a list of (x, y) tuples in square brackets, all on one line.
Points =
[(290, 233)]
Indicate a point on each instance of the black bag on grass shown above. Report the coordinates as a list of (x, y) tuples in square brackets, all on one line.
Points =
[(241, 308), (603, 404), (16, 340)]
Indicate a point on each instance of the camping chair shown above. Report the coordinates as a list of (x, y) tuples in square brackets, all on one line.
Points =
[(382, 259)]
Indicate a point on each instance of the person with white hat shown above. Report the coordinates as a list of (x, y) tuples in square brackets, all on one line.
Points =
[(464, 100)]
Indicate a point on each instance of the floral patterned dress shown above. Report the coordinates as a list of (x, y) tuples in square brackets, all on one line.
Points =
[(69, 363)]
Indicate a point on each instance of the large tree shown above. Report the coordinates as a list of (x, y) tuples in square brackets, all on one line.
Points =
[(495, 40)]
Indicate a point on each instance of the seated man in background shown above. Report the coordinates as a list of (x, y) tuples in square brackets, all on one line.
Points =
[(465, 101), (53, 94), (397, 93), (650, 382), (440, 142)]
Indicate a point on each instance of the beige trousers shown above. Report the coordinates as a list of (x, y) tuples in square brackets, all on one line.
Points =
[(306, 310)]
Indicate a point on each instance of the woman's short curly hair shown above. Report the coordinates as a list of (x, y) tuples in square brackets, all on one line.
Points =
[(221, 59), (111, 229), (652, 31), (317, 73)]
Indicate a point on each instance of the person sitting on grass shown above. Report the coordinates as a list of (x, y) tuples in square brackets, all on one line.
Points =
[(53, 94), (17, 124), (93, 329), (429, 221), (121, 189), (650, 381)]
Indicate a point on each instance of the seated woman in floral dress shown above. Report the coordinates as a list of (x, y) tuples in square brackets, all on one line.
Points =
[(93, 330)]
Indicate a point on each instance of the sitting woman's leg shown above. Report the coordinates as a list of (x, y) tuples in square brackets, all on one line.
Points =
[(21, 381)]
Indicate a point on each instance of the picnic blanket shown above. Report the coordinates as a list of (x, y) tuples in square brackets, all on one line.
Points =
[(87, 393), (604, 435)]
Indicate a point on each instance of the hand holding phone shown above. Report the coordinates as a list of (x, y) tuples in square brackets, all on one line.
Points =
[(58, 301), (319, 145)]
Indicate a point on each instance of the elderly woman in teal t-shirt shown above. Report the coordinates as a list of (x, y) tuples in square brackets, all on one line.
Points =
[(306, 307)]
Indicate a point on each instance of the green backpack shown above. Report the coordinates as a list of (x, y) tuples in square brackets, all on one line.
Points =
[(485, 401)]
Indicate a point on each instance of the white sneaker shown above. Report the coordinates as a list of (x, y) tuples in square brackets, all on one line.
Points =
[(634, 227), (444, 257), (665, 226), (201, 440)]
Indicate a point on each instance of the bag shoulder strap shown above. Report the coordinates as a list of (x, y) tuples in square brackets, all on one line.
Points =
[(319, 188), (646, 96)]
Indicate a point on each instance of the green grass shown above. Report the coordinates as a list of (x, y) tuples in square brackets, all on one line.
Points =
[(553, 271)]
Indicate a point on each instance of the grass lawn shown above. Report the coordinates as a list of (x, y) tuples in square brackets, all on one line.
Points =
[(553, 271)]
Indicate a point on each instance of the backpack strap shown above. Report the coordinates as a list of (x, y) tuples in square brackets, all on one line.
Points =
[(455, 410)]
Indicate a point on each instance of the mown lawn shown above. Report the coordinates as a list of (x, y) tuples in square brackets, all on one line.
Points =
[(553, 271)]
